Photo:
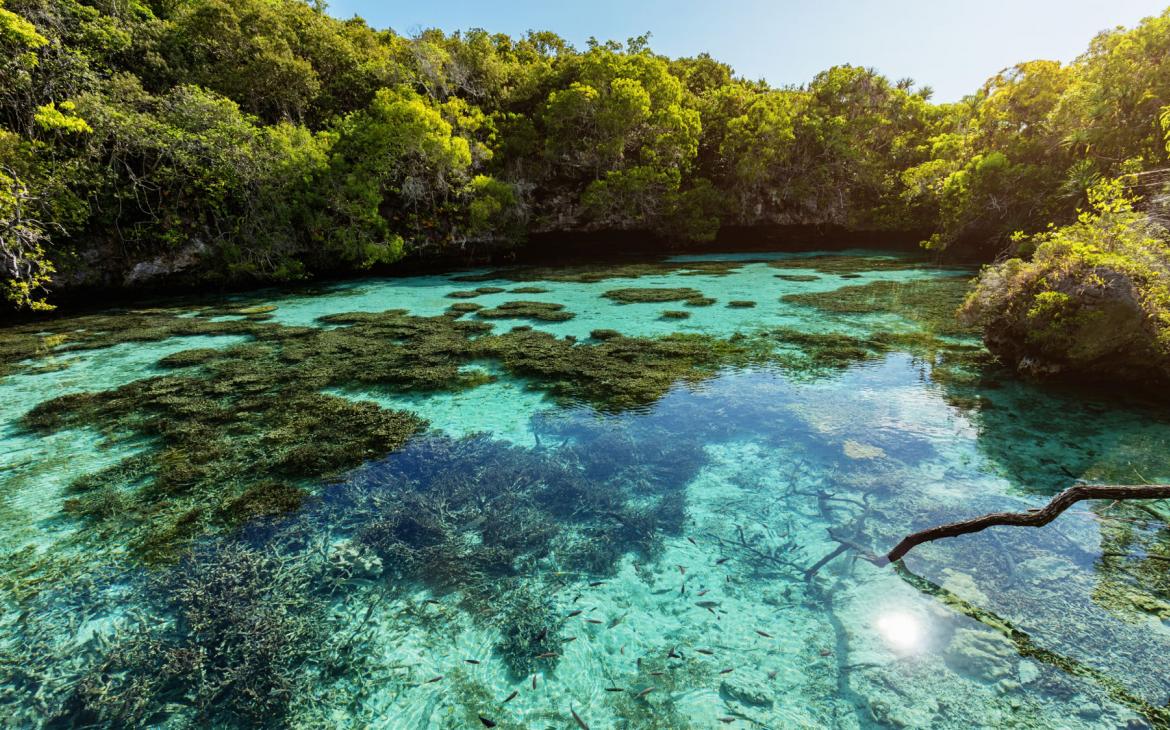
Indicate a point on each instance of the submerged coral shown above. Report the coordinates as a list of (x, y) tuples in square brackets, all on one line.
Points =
[(841, 264), (632, 295), (540, 311), (930, 303), (245, 630)]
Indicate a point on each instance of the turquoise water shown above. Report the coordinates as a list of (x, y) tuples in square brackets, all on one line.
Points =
[(669, 555)]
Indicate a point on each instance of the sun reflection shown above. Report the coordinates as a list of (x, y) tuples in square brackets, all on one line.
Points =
[(901, 631)]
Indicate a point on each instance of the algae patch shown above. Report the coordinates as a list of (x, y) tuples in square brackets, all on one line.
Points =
[(657, 295)]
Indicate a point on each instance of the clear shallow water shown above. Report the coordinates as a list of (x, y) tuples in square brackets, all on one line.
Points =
[(689, 533)]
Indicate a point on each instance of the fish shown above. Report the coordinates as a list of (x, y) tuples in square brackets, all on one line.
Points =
[(432, 680), (682, 570), (672, 654), (741, 538), (575, 612), (614, 689), (725, 671), (543, 633), (486, 722), (772, 674), (568, 639), (682, 590), (826, 652), (596, 583), (510, 697), (703, 592), (471, 661), (593, 621), (580, 722), (721, 561), (546, 655), (692, 540), (764, 634), (708, 652), (726, 720), (644, 692), (534, 681), (617, 620), (431, 600)]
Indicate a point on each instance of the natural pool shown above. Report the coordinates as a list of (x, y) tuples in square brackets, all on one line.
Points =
[(498, 498)]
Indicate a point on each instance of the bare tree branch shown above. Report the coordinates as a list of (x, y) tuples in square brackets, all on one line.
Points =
[(1031, 518)]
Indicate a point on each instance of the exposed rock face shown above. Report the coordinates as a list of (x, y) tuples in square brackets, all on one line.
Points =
[(1101, 332), (167, 264)]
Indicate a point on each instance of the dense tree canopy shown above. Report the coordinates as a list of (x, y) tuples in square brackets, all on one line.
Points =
[(265, 140)]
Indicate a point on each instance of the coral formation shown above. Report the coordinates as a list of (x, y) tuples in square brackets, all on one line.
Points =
[(540, 311), (656, 295)]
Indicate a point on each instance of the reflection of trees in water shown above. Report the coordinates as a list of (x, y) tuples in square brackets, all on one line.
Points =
[(1043, 437)]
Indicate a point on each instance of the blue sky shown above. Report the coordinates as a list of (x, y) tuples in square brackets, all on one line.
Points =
[(951, 45)]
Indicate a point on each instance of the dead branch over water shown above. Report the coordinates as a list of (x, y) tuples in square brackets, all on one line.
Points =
[(1032, 518)]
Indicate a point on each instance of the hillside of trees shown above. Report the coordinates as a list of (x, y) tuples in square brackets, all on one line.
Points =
[(231, 141)]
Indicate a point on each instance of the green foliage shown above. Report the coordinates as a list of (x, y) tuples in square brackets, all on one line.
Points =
[(258, 140), (1094, 299)]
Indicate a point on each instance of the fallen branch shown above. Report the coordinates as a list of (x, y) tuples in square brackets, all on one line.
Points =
[(1031, 518)]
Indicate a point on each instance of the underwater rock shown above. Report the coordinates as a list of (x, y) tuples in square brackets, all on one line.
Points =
[(858, 450), (1028, 671), (980, 655), (963, 585), (1047, 568), (675, 314), (747, 690)]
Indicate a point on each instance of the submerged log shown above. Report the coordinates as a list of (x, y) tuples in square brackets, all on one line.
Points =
[(1031, 518)]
